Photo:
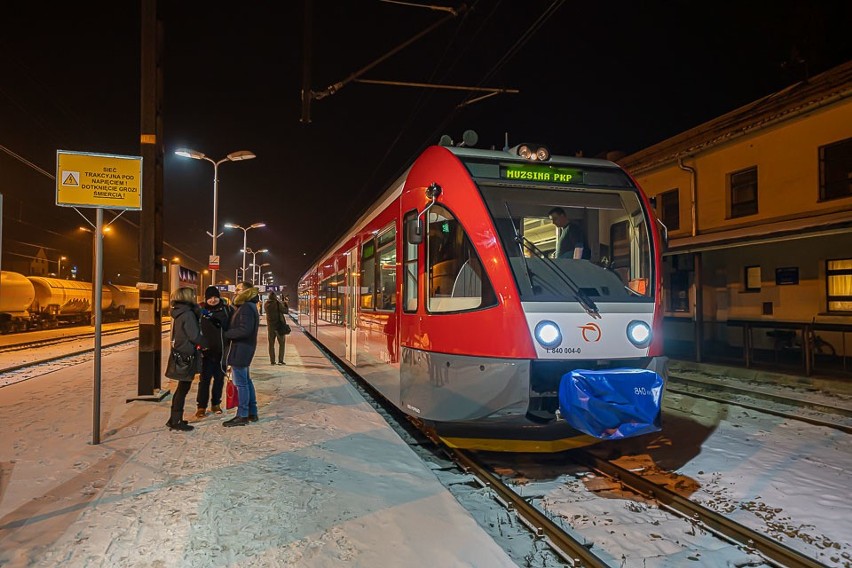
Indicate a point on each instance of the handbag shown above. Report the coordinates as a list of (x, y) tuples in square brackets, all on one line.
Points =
[(181, 366), (232, 397)]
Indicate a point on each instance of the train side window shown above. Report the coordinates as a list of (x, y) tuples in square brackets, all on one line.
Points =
[(409, 268), (456, 279), (386, 298), (368, 274)]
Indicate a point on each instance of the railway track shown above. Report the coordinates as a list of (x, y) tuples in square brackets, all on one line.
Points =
[(34, 346), (792, 406), (33, 343), (567, 544), (580, 551)]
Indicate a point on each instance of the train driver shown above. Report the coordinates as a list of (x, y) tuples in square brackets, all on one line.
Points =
[(571, 243)]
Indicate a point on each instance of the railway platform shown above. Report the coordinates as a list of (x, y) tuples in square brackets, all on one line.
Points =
[(320, 480)]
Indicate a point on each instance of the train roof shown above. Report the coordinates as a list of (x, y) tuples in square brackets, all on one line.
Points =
[(507, 155), (464, 153)]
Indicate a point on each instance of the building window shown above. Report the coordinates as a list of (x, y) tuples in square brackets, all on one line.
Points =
[(743, 191), (752, 278), (669, 209), (838, 281), (679, 297), (835, 170)]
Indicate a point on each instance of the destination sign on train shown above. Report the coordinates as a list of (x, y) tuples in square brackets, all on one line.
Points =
[(98, 180), (540, 173)]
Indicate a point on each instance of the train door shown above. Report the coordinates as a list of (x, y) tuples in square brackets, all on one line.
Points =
[(350, 320)]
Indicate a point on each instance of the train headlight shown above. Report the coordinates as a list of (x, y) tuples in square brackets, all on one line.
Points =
[(547, 334), (532, 152), (639, 333)]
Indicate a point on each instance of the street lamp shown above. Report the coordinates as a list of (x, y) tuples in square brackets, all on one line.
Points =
[(59, 266), (259, 270), (253, 254), (245, 231), (232, 157)]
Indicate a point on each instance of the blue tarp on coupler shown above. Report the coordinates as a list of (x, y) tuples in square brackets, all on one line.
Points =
[(612, 403)]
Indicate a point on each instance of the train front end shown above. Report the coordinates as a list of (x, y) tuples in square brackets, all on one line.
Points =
[(544, 299)]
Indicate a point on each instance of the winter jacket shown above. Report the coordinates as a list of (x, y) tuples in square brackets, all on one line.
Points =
[(214, 321), (186, 331), (274, 312), (242, 330)]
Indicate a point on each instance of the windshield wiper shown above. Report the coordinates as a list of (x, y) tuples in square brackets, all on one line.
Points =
[(518, 236), (581, 297)]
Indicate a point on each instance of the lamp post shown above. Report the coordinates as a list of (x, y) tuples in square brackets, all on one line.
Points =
[(59, 266), (232, 157), (253, 254), (260, 272), (245, 231)]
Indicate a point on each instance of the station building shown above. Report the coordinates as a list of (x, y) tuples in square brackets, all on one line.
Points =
[(757, 204)]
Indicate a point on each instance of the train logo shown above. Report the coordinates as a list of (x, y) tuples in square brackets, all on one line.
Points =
[(593, 330)]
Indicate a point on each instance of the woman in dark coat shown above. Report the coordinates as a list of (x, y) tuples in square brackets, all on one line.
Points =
[(186, 339), (243, 335)]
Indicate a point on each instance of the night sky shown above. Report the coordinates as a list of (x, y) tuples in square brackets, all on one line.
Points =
[(593, 77)]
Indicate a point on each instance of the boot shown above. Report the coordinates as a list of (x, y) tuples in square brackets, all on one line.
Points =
[(253, 418), (216, 409), (236, 421), (200, 413), (180, 425)]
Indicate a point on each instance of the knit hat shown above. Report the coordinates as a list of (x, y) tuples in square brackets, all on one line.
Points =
[(210, 292)]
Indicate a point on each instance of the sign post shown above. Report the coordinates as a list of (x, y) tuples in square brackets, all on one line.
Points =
[(99, 181)]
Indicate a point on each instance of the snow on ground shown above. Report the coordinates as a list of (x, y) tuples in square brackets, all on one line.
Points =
[(319, 481)]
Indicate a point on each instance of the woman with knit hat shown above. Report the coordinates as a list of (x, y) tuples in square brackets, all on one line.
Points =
[(215, 315)]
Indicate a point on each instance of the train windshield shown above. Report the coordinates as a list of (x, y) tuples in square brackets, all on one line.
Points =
[(564, 244)]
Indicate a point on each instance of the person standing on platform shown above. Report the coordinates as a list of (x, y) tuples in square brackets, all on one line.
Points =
[(275, 322), (215, 317), (242, 332), (186, 339)]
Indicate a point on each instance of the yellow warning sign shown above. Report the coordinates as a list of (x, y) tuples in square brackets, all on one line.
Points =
[(98, 180)]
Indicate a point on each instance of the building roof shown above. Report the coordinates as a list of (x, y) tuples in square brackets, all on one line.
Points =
[(803, 97), (833, 223)]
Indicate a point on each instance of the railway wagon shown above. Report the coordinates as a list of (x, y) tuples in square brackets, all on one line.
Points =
[(124, 301), (454, 296), (16, 296), (36, 302), (67, 301)]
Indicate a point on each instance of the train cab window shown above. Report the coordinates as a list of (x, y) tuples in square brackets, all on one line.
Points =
[(386, 297), (368, 275), (614, 263), (457, 281), (409, 268)]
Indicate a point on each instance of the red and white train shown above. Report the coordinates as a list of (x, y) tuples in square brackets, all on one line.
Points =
[(447, 297)]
